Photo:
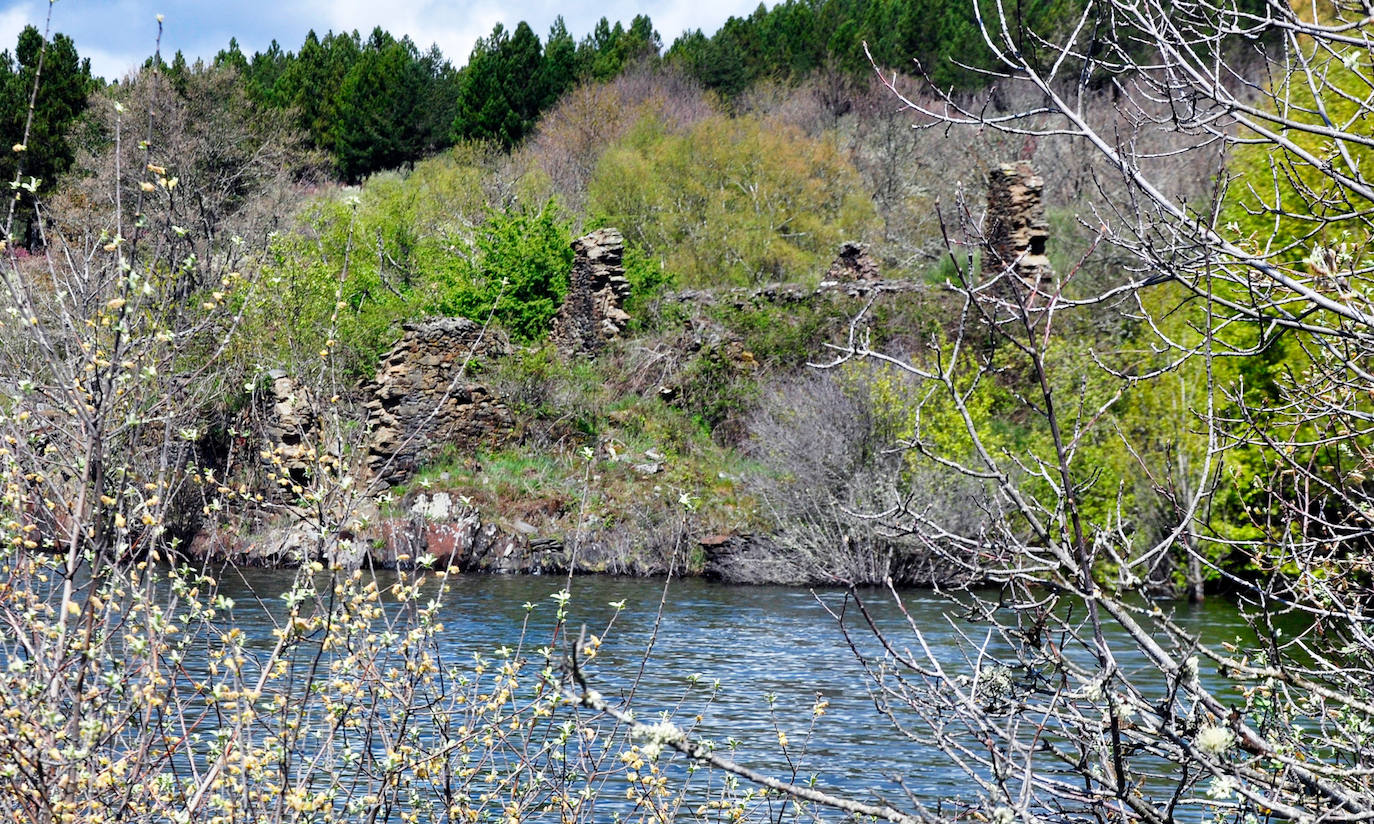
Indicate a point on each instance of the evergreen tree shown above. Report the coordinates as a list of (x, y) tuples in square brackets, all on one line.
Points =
[(66, 83), (639, 42), (379, 124), (438, 97), (479, 113), (593, 52), (313, 81), (499, 92), (797, 37), (233, 56), (606, 52), (521, 64), (178, 72), (559, 69), (263, 74)]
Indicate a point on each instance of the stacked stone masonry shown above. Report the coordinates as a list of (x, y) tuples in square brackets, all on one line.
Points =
[(291, 425), (592, 313), (1016, 229), (423, 399), (853, 263)]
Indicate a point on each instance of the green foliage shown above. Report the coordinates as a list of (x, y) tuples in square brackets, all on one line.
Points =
[(785, 337), (524, 260), (717, 388), (797, 37), (558, 72), (407, 242), (649, 278), (374, 104), (403, 247), (66, 81), (501, 92), (380, 103), (382, 112), (733, 201), (310, 83), (609, 49), (1289, 205)]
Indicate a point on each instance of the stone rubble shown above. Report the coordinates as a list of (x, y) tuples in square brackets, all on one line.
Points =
[(853, 263)]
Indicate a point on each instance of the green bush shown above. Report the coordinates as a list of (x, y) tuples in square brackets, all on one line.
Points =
[(524, 257), (733, 201)]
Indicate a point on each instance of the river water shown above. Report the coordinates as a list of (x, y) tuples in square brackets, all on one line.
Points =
[(773, 651)]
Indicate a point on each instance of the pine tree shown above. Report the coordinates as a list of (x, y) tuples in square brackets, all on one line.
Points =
[(314, 79), (559, 69), (500, 93), (379, 125), (233, 56), (66, 82), (263, 74)]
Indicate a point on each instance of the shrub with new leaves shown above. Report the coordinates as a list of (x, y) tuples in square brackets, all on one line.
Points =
[(733, 201)]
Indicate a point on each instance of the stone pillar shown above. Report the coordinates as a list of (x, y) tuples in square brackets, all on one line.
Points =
[(591, 314), (1016, 229)]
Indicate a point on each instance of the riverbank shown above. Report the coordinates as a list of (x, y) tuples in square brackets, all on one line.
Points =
[(444, 530)]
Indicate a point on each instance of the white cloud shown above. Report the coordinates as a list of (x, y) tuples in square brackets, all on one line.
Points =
[(12, 21), (453, 27), (111, 65), (102, 31)]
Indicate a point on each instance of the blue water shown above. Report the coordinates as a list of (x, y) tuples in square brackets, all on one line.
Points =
[(749, 661), (743, 667)]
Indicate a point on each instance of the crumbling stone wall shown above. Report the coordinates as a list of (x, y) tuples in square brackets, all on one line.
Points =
[(1016, 230), (592, 313), (421, 400), (853, 263), (291, 425)]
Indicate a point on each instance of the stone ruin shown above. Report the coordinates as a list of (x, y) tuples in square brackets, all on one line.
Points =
[(1016, 229), (291, 425), (853, 263), (591, 315), (423, 399)]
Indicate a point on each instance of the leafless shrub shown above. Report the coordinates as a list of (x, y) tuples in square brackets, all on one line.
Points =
[(814, 105), (1052, 723), (831, 477), (572, 136), (131, 692), (203, 181)]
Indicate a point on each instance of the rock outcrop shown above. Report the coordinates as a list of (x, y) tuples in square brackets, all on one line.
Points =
[(592, 313), (1016, 229), (443, 532), (853, 263), (433, 530), (423, 398)]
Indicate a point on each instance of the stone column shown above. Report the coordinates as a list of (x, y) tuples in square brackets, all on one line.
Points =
[(1016, 230), (592, 313)]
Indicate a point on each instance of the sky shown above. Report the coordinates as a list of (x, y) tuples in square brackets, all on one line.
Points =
[(118, 35)]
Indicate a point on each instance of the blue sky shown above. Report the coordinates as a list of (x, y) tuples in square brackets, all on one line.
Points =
[(119, 34)]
